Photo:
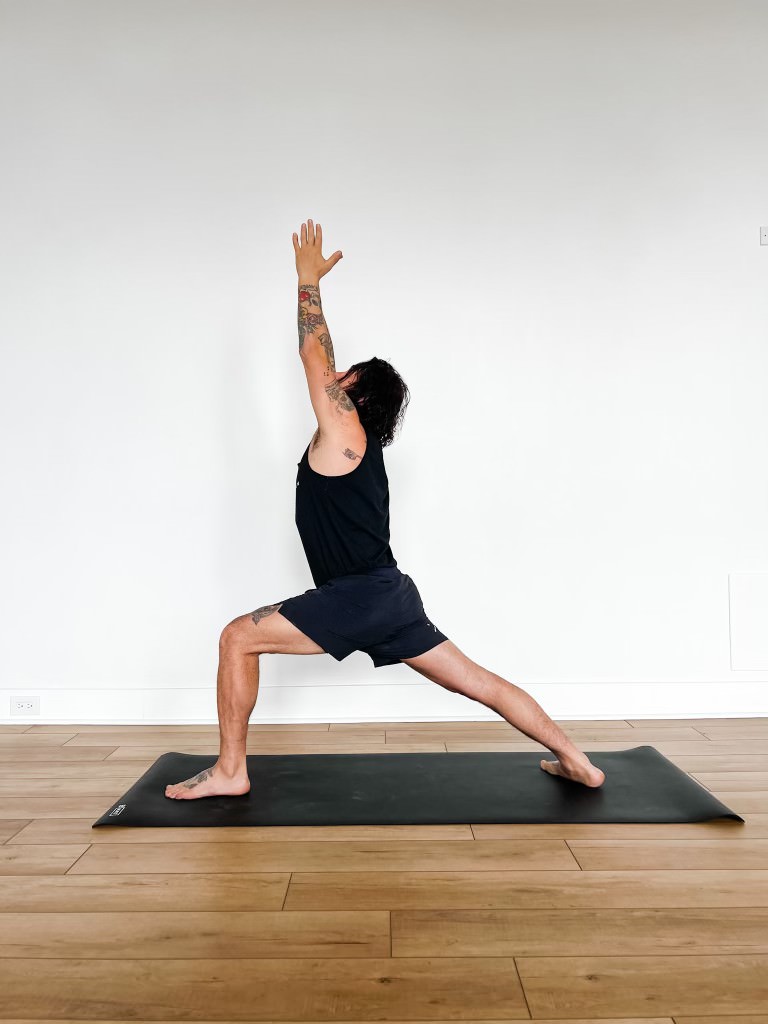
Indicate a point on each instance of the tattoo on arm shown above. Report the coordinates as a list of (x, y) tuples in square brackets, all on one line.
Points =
[(337, 394), (312, 321), (350, 454), (310, 315)]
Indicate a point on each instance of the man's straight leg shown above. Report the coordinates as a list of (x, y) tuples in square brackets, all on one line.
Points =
[(450, 667)]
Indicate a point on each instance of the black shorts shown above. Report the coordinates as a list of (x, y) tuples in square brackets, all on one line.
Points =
[(378, 611)]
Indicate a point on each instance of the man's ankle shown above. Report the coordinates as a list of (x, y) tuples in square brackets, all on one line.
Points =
[(571, 756), (232, 768)]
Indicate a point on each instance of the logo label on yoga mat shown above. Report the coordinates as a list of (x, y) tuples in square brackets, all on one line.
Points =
[(117, 810)]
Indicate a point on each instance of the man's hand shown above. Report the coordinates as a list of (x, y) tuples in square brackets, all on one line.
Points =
[(310, 264)]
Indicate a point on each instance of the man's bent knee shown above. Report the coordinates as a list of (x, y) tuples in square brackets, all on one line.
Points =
[(239, 634)]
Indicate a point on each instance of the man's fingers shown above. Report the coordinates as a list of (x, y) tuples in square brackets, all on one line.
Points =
[(312, 234)]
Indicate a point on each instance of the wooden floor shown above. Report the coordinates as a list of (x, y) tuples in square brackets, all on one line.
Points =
[(391, 923)]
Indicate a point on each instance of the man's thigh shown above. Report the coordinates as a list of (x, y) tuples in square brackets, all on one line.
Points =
[(449, 666), (266, 631)]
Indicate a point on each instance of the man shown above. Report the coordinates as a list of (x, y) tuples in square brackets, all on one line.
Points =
[(361, 599)]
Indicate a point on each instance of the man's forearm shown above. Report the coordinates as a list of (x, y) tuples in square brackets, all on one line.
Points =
[(312, 325), (311, 320)]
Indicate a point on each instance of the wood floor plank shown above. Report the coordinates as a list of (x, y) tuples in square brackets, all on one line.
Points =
[(14, 728), (720, 762), (108, 788), (426, 729), (55, 806), (77, 770), (427, 890), (151, 730), (41, 755), (594, 723), (698, 723), (602, 1020), (629, 985), (480, 855), (628, 737), (177, 935), (11, 827), (76, 830), (79, 830), (755, 826), (745, 782), (248, 890), (656, 854), (57, 830), (730, 1018), (288, 989), (747, 730), (666, 747), (582, 932), (496, 722), (351, 747), (636, 735), (39, 860), (740, 801), (25, 741), (210, 741)]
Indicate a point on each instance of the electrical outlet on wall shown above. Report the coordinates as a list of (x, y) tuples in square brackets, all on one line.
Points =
[(25, 705)]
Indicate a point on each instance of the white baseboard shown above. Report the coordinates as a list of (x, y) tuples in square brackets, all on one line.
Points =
[(389, 702)]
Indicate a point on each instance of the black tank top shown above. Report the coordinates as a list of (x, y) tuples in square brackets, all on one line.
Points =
[(343, 521)]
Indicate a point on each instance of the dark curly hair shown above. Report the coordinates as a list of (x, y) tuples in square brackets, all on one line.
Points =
[(380, 396)]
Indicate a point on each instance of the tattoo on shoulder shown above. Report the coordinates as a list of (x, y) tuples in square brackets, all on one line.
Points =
[(337, 394)]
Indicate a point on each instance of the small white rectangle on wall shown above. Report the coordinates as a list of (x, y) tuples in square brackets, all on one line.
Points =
[(748, 610)]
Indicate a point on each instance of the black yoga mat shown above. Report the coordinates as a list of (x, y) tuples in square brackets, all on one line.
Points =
[(420, 789)]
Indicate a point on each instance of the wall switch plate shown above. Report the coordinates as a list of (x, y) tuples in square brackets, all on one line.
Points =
[(764, 236), (25, 705)]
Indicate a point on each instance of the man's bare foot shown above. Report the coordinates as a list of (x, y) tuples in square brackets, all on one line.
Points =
[(581, 770), (210, 782)]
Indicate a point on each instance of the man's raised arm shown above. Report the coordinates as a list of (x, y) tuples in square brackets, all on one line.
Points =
[(315, 345)]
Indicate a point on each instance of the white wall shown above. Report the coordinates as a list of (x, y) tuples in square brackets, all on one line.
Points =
[(549, 213)]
